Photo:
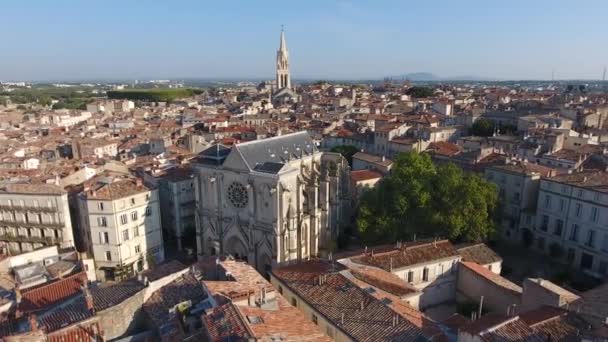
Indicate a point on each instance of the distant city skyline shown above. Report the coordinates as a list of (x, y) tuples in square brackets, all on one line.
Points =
[(340, 40)]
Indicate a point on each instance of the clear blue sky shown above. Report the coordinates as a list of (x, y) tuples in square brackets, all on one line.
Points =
[(515, 39)]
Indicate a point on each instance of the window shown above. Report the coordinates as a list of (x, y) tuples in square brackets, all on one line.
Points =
[(603, 269), (605, 243), (108, 256), (562, 204), (280, 289), (545, 223), (134, 215), (574, 232), (586, 261), (135, 231), (123, 219), (590, 239), (516, 197), (147, 197), (104, 238), (294, 302), (594, 214), (541, 243), (410, 276), (315, 320), (100, 205), (137, 249), (425, 274), (547, 202), (570, 255), (102, 222), (578, 209), (559, 226), (133, 200), (125, 235), (148, 211)]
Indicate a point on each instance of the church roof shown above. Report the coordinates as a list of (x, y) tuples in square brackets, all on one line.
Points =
[(268, 155)]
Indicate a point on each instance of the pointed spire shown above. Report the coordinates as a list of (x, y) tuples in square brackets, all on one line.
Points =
[(283, 44)]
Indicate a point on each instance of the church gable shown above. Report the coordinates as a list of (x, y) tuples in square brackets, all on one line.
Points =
[(235, 161)]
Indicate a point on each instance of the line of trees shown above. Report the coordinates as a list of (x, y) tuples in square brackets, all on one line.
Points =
[(154, 94), (421, 199)]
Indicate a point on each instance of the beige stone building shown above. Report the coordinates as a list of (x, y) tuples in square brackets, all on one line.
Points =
[(33, 216), (120, 226)]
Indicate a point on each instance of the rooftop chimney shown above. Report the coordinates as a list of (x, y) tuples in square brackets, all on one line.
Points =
[(138, 182), (33, 322), (17, 295)]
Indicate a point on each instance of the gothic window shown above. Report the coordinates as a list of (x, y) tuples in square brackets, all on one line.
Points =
[(237, 194)]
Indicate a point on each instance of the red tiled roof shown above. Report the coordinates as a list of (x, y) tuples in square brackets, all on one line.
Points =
[(363, 175), (67, 314), (225, 323), (444, 148), (350, 308), (77, 333), (41, 297), (492, 277), (409, 255)]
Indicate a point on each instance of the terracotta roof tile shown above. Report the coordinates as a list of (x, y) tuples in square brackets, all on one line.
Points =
[(365, 317), (41, 297), (409, 255), (492, 277)]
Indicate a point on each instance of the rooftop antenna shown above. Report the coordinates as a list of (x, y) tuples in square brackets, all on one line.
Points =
[(604, 74)]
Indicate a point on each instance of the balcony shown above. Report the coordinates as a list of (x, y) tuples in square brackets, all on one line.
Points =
[(18, 224), (47, 240), (29, 208)]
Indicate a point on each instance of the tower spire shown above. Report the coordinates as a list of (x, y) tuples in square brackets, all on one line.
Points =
[(282, 44), (283, 77)]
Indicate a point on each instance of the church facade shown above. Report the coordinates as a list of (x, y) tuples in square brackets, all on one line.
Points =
[(270, 201)]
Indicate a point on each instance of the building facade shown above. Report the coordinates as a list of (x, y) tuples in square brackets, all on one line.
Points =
[(270, 201), (120, 223), (34, 216), (572, 220), (177, 204)]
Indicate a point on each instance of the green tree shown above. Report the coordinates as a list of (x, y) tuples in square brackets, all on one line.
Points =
[(419, 198), (420, 92), (482, 127), (347, 151)]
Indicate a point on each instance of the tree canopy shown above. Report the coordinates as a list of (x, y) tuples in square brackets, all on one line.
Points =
[(423, 200), (485, 128), (347, 151), (482, 127), (420, 92), (154, 94)]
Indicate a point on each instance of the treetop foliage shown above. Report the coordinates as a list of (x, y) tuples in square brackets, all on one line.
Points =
[(153, 94), (423, 200)]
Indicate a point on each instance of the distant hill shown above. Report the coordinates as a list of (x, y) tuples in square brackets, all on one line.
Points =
[(417, 76), (428, 76)]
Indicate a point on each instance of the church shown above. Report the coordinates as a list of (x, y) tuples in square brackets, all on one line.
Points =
[(270, 201), (283, 92)]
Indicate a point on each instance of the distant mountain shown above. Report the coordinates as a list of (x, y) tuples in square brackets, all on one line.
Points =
[(418, 76), (428, 76)]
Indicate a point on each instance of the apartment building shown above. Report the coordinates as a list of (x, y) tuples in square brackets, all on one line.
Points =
[(33, 216), (518, 184), (178, 204), (120, 226), (572, 220)]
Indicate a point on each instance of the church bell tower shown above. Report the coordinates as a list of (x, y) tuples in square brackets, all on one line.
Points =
[(283, 78)]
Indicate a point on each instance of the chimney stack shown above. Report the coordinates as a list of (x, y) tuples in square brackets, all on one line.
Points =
[(138, 182), (17, 295), (33, 322)]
